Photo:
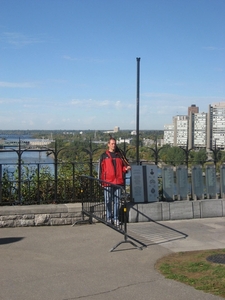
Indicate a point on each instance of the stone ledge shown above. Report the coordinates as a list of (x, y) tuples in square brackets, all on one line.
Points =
[(37, 209), (40, 215), (68, 214), (178, 210)]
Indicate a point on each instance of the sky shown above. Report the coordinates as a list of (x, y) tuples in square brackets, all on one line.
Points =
[(72, 64)]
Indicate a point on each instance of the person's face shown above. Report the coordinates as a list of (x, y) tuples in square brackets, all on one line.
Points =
[(112, 146)]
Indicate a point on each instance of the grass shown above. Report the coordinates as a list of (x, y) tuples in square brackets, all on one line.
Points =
[(192, 268)]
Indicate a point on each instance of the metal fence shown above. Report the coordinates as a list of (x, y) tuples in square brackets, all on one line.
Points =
[(44, 183), (94, 205), (39, 183)]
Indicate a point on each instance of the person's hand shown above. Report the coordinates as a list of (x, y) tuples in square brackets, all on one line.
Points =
[(128, 168)]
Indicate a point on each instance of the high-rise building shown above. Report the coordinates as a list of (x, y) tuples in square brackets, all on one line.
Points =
[(200, 130), (180, 130), (193, 109), (197, 130), (216, 126), (169, 134)]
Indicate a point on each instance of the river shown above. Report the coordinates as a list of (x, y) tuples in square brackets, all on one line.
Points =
[(27, 157)]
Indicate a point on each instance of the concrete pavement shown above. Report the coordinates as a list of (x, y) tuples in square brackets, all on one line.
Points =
[(68, 263)]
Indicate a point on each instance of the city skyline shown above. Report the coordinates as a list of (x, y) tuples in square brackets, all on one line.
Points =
[(198, 129), (71, 65)]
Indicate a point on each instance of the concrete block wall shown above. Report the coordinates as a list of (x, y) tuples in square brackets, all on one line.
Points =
[(68, 214), (178, 210), (40, 215)]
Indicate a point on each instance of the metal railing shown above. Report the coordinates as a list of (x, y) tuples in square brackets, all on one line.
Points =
[(57, 182), (41, 183), (94, 206)]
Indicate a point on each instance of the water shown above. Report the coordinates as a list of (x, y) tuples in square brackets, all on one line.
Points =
[(9, 160), (27, 157)]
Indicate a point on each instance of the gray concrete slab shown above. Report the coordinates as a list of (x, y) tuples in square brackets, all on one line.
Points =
[(176, 210), (185, 235), (67, 263), (202, 234)]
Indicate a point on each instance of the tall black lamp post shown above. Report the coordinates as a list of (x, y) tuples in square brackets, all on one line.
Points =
[(137, 116)]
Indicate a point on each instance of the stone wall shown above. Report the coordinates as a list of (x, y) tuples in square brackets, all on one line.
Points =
[(68, 214), (40, 215), (178, 210)]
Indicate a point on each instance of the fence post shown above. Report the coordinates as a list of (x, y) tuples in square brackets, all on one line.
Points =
[(0, 183), (38, 183)]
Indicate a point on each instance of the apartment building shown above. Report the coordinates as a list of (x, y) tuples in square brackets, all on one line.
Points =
[(216, 126), (169, 134), (193, 109), (200, 130), (197, 134), (180, 130)]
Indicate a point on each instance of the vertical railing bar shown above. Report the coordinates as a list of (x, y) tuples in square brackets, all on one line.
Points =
[(0, 183)]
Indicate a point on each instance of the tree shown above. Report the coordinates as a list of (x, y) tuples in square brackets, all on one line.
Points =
[(222, 157), (172, 155), (199, 157)]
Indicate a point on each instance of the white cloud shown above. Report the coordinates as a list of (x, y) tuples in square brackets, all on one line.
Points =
[(89, 103), (10, 101), (118, 104), (5, 84), (27, 122), (212, 48), (67, 57), (18, 40), (90, 60), (66, 120)]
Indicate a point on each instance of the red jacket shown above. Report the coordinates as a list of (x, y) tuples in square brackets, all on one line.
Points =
[(112, 169)]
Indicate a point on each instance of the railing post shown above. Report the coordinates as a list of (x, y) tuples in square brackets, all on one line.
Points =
[(38, 183), (0, 183), (19, 172), (55, 176), (73, 175)]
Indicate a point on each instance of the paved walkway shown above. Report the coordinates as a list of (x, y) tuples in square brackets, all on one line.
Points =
[(68, 263)]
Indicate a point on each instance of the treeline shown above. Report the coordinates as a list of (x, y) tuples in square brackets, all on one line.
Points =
[(77, 145), (86, 145), (175, 156), (87, 150)]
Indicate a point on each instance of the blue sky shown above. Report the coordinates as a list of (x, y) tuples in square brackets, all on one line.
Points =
[(71, 64)]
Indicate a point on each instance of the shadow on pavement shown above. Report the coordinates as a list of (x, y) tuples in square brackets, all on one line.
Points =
[(10, 240)]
